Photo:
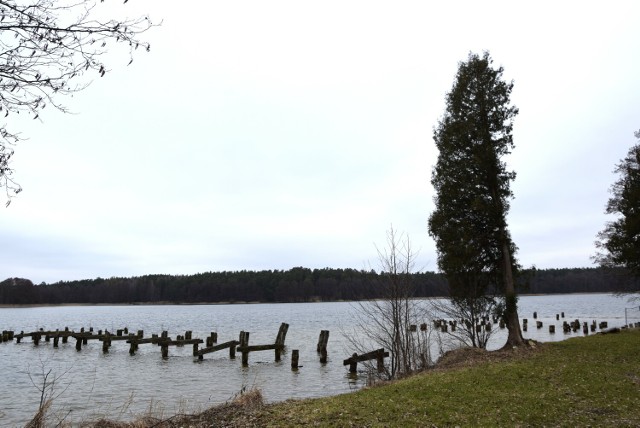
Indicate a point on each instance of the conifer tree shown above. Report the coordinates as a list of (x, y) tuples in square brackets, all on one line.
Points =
[(472, 183)]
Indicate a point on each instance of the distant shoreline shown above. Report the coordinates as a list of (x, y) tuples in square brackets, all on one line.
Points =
[(168, 303)]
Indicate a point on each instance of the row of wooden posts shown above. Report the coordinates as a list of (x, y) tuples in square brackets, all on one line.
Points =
[(164, 342), (568, 327)]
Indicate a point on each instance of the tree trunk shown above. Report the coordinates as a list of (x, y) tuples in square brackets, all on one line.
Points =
[(511, 311)]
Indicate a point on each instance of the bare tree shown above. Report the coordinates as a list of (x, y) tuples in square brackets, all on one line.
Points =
[(392, 321), (469, 318), (49, 49), (46, 382)]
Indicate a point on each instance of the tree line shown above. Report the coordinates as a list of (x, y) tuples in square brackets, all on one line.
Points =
[(268, 286)]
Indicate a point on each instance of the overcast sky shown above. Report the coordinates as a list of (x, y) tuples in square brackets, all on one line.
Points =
[(268, 135)]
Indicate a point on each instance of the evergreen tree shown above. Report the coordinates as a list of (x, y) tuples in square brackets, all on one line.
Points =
[(472, 184), (619, 241)]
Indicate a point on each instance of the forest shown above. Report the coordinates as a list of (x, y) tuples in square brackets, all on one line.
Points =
[(294, 285)]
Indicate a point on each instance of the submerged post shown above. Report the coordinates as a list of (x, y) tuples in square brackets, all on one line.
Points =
[(295, 355)]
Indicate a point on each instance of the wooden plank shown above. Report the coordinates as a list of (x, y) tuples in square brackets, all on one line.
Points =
[(260, 347), (142, 341), (365, 357), (168, 342), (218, 347)]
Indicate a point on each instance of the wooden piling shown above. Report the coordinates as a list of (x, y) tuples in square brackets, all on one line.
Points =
[(552, 328), (244, 344), (538, 324), (322, 345), (353, 364), (295, 355), (535, 315), (282, 334), (78, 343)]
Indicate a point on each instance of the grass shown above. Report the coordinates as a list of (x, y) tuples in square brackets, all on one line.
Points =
[(592, 381)]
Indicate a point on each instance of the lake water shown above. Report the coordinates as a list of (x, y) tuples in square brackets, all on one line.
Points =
[(89, 383)]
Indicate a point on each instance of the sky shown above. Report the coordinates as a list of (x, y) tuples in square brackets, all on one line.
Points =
[(270, 135)]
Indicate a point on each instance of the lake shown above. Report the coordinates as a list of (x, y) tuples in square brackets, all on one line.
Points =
[(90, 384)]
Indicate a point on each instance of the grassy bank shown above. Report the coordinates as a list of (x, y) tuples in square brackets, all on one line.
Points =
[(578, 382), (591, 381)]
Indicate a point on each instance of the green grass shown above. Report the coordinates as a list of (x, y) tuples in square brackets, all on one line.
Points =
[(590, 381)]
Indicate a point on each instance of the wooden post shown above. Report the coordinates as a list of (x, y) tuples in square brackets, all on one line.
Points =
[(36, 338), (323, 356), (78, 344), (535, 315), (552, 328), (423, 327), (539, 324), (413, 328), (295, 355), (323, 340), (164, 349), (282, 333), (244, 343), (132, 347), (353, 365), (195, 349), (277, 352), (557, 317), (585, 328), (105, 344), (140, 334), (55, 340), (187, 335), (380, 361)]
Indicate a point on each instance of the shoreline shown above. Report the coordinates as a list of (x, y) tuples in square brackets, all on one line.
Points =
[(168, 303)]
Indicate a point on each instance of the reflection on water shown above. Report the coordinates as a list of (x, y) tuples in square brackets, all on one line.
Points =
[(91, 384)]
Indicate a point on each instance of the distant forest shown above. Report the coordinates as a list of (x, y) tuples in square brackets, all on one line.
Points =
[(294, 285)]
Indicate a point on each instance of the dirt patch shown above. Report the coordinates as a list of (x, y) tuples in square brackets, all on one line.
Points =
[(469, 357)]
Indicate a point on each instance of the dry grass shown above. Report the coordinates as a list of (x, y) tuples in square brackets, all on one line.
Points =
[(239, 412)]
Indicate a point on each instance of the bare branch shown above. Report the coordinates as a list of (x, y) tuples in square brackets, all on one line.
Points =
[(50, 49)]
